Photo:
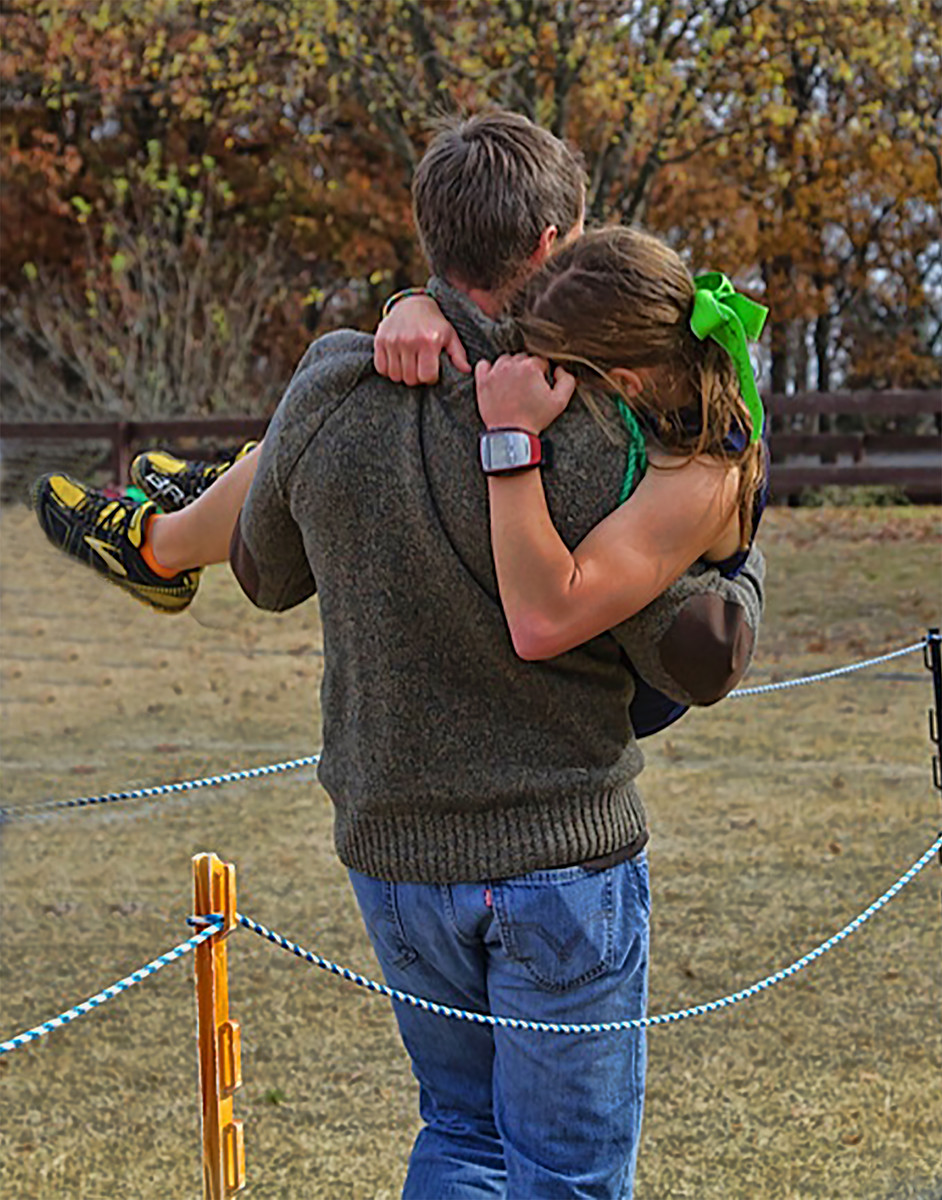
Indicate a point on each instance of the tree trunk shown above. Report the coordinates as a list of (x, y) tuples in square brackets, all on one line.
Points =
[(775, 275), (822, 351), (822, 354)]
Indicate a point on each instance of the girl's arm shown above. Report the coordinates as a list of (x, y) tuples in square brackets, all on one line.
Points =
[(554, 598), (410, 340)]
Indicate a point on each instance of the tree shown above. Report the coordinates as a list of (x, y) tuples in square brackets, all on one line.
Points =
[(791, 144), (830, 173)]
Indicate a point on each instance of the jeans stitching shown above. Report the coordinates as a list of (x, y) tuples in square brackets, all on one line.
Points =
[(404, 951), (507, 930), (642, 883)]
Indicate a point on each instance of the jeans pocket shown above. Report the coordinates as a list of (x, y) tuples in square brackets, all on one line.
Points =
[(379, 907), (558, 926)]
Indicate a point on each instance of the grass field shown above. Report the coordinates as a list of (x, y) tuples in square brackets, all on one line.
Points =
[(775, 820)]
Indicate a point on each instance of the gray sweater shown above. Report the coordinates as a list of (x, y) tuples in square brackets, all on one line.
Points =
[(446, 756)]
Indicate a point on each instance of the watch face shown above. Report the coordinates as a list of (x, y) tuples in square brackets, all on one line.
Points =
[(505, 450)]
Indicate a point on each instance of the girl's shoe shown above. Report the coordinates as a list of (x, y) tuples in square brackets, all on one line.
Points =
[(173, 482), (107, 533)]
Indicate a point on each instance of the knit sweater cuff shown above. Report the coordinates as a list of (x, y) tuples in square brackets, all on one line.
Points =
[(428, 845)]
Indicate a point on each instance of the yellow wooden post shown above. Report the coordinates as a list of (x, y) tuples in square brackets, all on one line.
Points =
[(220, 1050)]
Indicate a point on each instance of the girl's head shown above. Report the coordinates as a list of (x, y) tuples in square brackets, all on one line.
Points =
[(614, 306)]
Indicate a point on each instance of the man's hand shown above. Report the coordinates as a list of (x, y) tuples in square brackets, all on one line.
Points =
[(411, 339), (515, 391)]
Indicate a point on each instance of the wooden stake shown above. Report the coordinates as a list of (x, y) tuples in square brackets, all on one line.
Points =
[(219, 1039)]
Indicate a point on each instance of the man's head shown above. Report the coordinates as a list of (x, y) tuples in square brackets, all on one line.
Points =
[(492, 192)]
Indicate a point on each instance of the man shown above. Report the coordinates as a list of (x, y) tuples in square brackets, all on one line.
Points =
[(486, 808)]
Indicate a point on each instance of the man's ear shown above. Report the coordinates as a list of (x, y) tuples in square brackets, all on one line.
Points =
[(633, 383), (544, 247)]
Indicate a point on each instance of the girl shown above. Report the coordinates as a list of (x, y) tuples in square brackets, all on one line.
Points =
[(662, 362), (639, 339)]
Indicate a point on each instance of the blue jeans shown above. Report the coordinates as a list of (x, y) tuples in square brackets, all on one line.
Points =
[(514, 1113)]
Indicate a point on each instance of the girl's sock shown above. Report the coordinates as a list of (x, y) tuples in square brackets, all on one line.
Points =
[(147, 552)]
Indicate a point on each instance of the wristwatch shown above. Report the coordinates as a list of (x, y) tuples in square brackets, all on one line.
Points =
[(505, 451)]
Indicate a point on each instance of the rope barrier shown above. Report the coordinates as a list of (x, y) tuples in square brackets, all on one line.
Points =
[(44, 808), (444, 1010), (160, 789), (23, 1039), (213, 922), (858, 666), (219, 1037)]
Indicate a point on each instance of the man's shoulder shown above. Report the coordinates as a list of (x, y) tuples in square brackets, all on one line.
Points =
[(345, 355), (331, 368)]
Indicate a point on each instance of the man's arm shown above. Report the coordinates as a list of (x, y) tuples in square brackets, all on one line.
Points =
[(695, 641), (267, 553)]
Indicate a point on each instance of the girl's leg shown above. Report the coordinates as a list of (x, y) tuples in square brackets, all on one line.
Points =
[(199, 534)]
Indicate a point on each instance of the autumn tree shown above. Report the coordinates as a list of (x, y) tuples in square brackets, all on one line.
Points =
[(827, 182), (157, 147)]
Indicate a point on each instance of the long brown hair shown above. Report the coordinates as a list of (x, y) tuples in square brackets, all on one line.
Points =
[(619, 297)]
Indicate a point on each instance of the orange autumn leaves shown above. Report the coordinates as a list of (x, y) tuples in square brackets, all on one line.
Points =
[(791, 144)]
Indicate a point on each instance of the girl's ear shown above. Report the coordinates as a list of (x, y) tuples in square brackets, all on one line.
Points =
[(631, 380)]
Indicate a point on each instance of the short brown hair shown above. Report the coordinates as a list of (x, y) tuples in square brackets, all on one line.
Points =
[(485, 190)]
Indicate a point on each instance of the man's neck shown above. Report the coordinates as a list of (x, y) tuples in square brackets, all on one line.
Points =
[(478, 316), (490, 303)]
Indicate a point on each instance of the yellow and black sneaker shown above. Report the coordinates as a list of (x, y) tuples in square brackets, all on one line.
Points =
[(172, 482), (107, 534)]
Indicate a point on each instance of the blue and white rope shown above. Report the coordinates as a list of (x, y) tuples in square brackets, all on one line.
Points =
[(444, 1010), (47, 807), (161, 789), (189, 785), (858, 666), (459, 1014), (22, 1039)]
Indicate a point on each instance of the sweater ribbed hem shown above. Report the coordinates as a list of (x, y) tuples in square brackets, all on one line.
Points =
[(431, 846)]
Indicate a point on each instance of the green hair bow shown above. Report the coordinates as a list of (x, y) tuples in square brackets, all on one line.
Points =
[(731, 320)]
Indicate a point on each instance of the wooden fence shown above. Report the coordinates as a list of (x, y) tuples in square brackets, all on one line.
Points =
[(890, 438), (189, 437), (856, 439)]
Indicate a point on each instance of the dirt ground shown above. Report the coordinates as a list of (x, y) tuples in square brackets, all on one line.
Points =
[(775, 820)]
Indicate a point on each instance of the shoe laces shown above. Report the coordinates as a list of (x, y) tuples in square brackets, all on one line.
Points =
[(111, 515), (199, 476)]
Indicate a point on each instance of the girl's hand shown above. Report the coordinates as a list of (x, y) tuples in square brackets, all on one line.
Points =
[(515, 391), (409, 341)]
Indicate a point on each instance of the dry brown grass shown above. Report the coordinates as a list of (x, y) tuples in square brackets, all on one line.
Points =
[(775, 820)]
